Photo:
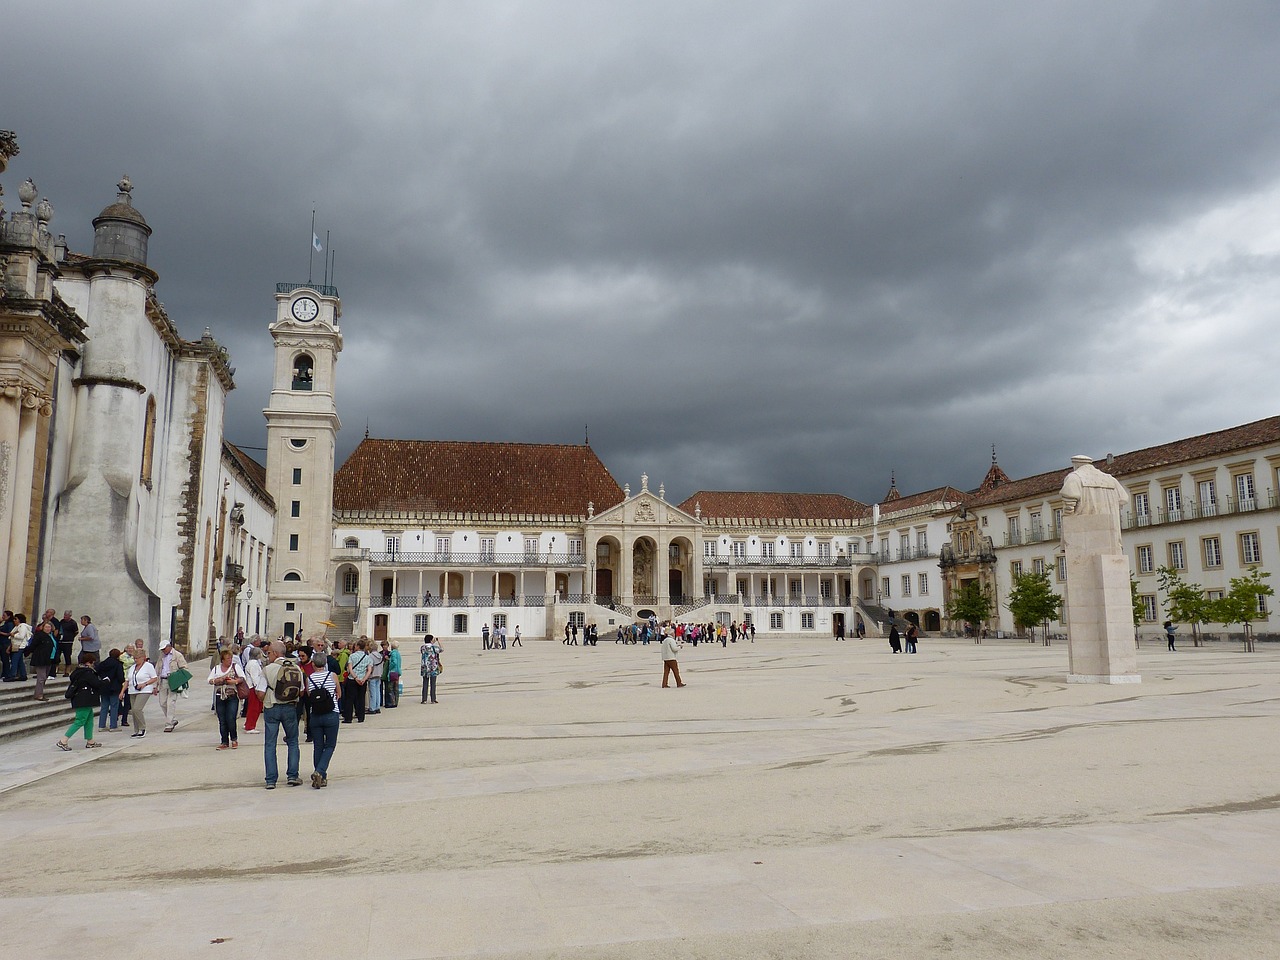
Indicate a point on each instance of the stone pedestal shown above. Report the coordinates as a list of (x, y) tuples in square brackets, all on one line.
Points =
[(1099, 604)]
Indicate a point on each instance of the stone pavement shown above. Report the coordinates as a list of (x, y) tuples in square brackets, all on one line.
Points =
[(798, 798)]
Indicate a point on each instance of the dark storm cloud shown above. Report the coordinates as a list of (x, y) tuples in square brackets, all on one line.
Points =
[(787, 247)]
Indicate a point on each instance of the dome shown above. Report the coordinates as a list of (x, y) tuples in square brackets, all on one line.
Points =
[(120, 232)]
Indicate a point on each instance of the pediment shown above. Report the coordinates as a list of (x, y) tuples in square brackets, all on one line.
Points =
[(645, 509)]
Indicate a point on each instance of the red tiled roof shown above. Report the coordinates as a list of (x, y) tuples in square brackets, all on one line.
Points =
[(450, 476), (254, 472), (775, 506), (936, 495), (1201, 447)]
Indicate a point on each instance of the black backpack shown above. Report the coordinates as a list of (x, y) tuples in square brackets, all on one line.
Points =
[(319, 699)]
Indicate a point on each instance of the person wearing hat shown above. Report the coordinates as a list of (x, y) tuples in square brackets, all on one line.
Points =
[(140, 684), (171, 659)]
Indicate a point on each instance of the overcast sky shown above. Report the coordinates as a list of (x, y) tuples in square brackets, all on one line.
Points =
[(785, 246)]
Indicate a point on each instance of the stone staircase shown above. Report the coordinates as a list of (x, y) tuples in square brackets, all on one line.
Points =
[(21, 715), (343, 619)]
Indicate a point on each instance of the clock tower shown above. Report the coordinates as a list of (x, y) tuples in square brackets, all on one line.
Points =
[(302, 427)]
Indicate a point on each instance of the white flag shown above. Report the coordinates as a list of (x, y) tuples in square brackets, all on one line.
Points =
[(315, 242)]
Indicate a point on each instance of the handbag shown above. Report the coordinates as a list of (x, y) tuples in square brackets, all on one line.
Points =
[(242, 689), (179, 678)]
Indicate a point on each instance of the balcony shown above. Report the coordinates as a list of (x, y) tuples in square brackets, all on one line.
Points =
[(794, 563), (234, 574), (1200, 510), (481, 558)]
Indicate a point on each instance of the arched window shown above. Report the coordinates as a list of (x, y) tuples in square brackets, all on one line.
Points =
[(302, 371), (292, 577), (351, 543), (148, 443)]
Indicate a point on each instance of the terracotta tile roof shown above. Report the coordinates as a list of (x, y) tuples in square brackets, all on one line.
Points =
[(1206, 445), (254, 473), (775, 506), (450, 476), (900, 503)]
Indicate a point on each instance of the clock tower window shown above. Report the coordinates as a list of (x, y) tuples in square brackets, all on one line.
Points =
[(302, 372)]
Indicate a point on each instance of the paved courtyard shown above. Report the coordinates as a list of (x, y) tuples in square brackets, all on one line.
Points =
[(796, 799)]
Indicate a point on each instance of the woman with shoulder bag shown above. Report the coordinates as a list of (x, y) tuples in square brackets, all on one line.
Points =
[(84, 691), (225, 678)]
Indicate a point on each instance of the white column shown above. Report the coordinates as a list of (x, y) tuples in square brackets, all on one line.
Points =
[(10, 408), (20, 516)]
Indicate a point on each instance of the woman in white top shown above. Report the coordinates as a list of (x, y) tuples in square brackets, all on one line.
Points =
[(140, 683), (224, 678), (258, 681)]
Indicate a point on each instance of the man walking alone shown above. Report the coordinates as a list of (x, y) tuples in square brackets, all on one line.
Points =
[(670, 648)]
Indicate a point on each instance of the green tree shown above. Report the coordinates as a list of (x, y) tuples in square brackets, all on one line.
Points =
[(971, 604), (1139, 609), (1032, 601), (1240, 605), (1185, 602)]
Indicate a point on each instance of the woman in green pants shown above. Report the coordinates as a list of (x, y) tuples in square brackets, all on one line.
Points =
[(85, 692)]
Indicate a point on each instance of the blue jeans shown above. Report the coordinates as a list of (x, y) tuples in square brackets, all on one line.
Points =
[(324, 733), (110, 710), (228, 709), (375, 694), (286, 715)]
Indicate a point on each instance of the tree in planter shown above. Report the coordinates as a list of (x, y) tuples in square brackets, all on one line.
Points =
[(1240, 605), (1185, 602), (971, 604), (1032, 601), (1139, 608)]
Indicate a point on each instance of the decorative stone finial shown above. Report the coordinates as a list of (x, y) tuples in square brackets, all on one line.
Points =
[(644, 483), (27, 193), (591, 509), (44, 210), (662, 491), (125, 186), (626, 490), (697, 509)]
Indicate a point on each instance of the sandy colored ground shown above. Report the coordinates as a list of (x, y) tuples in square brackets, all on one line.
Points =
[(798, 798)]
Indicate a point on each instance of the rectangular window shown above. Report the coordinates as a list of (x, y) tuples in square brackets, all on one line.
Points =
[(1208, 491), (579, 618), (766, 550), (884, 587), (499, 621), (1062, 568), (924, 584), (442, 548), (742, 588), (1245, 497), (1149, 607), (1250, 549), (824, 589), (797, 551), (739, 549), (1177, 555), (775, 621), (1146, 559), (824, 550), (575, 546), (806, 621), (884, 550), (922, 543), (1037, 565), (1015, 530), (1141, 509), (297, 475), (1015, 569), (906, 584), (351, 582), (293, 542), (1262, 604), (1212, 548), (793, 589), (1213, 594), (1173, 502), (531, 547), (709, 548), (422, 623), (459, 623), (1036, 531), (295, 508), (1057, 522), (486, 548), (393, 544), (904, 546)]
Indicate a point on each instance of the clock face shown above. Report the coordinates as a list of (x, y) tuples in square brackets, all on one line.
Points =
[(305, 309)]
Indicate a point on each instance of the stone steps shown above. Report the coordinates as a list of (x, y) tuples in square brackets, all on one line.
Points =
[(21, 715)]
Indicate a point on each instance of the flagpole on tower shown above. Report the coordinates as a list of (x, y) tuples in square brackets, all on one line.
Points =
[(311, 254), (326, 258)]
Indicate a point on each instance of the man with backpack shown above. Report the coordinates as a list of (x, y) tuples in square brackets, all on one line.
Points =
[(280, 709)]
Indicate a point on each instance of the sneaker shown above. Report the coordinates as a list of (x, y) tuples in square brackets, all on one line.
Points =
[(93, 744), (271, 786), (294, 782), (171, 727), (317, 780), (235, 744), (65, 747), (134, 736), (324, 781)]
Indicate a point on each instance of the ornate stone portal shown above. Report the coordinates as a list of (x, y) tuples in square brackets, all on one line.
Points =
[(1098, 602)]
